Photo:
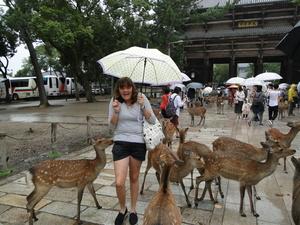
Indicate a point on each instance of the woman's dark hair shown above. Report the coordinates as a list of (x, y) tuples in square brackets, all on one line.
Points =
[(240, 88), (125, 82), (177, 90), (276, 86), (166, 90)]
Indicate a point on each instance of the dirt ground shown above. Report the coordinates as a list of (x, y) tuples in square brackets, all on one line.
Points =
[(29, 143)]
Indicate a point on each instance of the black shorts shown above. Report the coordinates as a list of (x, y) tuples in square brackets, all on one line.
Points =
[(123, 149)]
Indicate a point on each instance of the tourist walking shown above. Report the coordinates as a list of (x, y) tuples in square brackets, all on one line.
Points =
[(178, 102), (239, 98), (292, 99), (274, 97), (164, 101), (126, 112), (258, 106)]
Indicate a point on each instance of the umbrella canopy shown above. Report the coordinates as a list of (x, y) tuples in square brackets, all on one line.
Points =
[(290, 44), (207, 90), (252, 81), (268, 76), (141, 65), (182, 87), (235, 80), (283, 86), (194, 85), (185, 77), (233, 86)]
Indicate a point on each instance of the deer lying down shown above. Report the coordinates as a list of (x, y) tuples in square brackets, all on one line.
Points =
[(162, 208), (67, 174), (296, 192)]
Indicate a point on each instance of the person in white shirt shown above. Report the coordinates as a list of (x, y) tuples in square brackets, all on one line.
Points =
[(239, 98), (177, 103), (274, 97)]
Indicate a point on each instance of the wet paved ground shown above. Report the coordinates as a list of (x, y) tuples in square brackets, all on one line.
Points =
[(59, 206)]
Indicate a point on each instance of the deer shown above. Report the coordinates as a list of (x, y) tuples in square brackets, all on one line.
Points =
[(296, 191), (189, 161), (282, 108), (220, 104), (197, 111), (67, 174), (199, 149), (284, 139), (169, 130), (247, 171), (162, 207)]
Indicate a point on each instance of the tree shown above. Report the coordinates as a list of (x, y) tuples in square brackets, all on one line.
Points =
[(8, 44), (19, 19), (220, 73)]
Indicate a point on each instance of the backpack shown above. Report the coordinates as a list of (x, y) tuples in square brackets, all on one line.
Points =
[(170, 108), (258, 99)]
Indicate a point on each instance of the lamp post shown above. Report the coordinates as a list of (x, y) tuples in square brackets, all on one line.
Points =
[(172, 43)]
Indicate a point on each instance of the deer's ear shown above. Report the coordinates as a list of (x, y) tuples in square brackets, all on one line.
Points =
[(265, 144), (296, 162), (186, 129)]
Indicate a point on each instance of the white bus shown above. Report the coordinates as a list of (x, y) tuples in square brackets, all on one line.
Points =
[(53, 85), (70, 86), (23, 87)]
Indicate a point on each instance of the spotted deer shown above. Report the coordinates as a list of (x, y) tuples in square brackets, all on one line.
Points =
[(169, 130), (284, 139), (162, 208), (220, 104), (282, 108), (197, 111), (296, 192), (247, 171), (66, 174)]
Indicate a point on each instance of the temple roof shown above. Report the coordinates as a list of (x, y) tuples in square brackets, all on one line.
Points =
[(212, 3)]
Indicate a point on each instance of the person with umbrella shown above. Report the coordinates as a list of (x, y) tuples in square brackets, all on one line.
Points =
[(164, 100), (126, 112), (274, 97), (239, 98), (292, 99), (258, 106)]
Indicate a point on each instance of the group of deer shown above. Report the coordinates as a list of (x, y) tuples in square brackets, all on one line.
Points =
[(230, 158)]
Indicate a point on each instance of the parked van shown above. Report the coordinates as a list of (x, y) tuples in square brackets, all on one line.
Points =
[(53, 85), (23, 87), (70, 86)]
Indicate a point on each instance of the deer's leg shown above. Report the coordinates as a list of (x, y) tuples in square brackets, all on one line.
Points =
[(192, 182), (201, 118), (249, 190), (198, 181), (242, 194), (203, 192), (92, 191), (284, 165), (218, 179), (79, 198), (146, 172), (186, 196), (192, 120), (33, 198), (255, 193)]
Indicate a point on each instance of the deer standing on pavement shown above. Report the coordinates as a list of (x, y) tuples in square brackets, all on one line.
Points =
[(67, 174), (197, 111), (296, 192), (169, 130), (247, 171), (162, 208), (284, 139)]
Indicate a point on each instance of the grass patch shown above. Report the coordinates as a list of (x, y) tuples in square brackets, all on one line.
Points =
[(5, 172), (54, 154)]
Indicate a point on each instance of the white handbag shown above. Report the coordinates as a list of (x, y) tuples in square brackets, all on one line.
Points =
[(153, 134)]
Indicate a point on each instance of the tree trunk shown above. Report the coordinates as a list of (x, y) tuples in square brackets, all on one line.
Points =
[(37, 69), (76, 88), (88, 90)]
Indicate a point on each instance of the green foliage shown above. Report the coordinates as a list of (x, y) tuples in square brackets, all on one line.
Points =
[(272, 67), (54, 154), (5, 172), (221, 72), (297, 1)]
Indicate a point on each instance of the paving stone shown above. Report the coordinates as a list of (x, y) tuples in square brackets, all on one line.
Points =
[(104, 180), (108, 191), (50, 219), (4, 208), (62, 194), (15, 188), (101, 216), (105, 201), (20, 201), (196, 216), (14, 216), (232, 216), (62, 209)]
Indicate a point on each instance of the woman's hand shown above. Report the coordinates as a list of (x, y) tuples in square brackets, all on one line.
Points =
[(116, 106), (141, 100)]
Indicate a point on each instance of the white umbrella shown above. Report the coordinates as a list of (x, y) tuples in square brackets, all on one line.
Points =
[(283, 86), (268, 76), (207, 90), (252, 81), (185, 77), (182, 87), (235, 80), (194, 85), (141, 65)]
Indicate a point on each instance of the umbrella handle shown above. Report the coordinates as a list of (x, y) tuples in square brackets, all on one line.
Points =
[(145, 62)]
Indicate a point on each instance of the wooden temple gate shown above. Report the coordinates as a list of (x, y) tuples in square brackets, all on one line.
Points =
[(249, 33)]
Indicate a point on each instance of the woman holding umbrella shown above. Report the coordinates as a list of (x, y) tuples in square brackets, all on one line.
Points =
[(126, 112), (239, 98)]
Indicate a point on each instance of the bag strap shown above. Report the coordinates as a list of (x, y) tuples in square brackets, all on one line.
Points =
[(174, 98)]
